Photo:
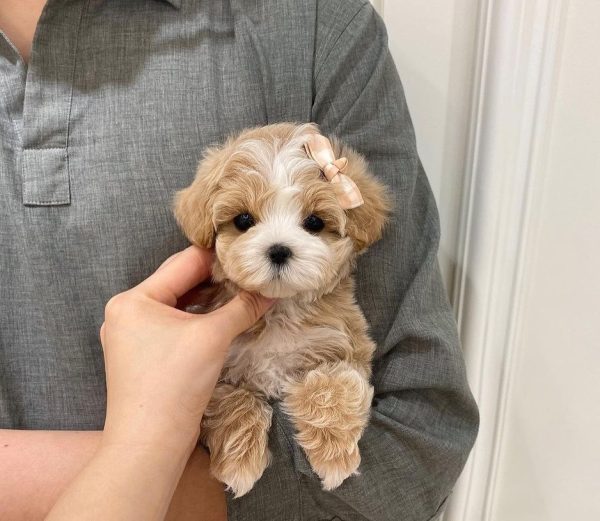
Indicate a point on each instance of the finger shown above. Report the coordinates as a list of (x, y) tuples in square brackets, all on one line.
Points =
[(240, 313), (168, 260), (178, 275), (102, 328)]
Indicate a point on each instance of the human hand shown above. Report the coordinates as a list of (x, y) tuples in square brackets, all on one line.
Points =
[(163, 363)]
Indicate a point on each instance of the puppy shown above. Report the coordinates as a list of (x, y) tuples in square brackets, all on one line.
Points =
[(281, 228)]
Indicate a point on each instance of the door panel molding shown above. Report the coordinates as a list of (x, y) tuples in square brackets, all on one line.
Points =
[(517, 58)]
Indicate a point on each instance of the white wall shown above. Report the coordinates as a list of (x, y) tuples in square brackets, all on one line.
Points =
[(505, 98)]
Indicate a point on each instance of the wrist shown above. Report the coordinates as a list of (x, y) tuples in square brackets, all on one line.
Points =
[(166, 449), (163, 461), (140, 434)]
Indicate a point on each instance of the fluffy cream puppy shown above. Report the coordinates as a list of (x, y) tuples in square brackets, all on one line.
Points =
[(278, 229)]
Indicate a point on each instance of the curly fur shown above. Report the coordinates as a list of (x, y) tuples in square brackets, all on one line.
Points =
[(312, 349)]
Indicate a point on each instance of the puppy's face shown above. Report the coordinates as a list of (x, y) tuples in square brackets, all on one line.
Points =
[(279, 230), (274, 221)]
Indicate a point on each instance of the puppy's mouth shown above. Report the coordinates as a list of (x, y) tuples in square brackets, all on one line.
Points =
[(279, 284), (277, 293)]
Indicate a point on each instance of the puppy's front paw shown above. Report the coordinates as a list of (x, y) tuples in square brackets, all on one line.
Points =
[(235, 429), (330, 408), (334, 461)]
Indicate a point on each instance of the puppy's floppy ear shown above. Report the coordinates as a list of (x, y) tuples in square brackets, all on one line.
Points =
[(365, 223), (194, 205)]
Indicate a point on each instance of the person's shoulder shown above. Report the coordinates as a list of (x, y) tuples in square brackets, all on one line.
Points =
[(342, 7), (329, 13), (357, 18), (337, 14), (338, 7)]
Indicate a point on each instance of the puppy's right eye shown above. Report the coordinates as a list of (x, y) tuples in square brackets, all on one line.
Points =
[(243, 222)]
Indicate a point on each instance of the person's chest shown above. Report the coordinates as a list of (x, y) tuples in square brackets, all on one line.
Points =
[(129, 94), (118, 103), (97, 133)]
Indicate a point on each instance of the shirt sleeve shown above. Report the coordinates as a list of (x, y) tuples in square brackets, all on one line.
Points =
[(424, 420)]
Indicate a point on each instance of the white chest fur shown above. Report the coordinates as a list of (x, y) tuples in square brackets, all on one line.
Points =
[(284, 349)]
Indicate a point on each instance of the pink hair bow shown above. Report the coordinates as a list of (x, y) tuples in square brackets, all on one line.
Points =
[(319, 148)]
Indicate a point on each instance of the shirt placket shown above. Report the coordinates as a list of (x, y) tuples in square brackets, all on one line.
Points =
[(12, 82), (47, 103)]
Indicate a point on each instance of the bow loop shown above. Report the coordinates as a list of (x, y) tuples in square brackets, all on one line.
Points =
[(319, 148)]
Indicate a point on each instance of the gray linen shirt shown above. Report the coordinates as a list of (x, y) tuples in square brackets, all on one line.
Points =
[(110, 119)]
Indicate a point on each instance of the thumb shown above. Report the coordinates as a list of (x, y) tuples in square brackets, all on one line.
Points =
[(241, 312)]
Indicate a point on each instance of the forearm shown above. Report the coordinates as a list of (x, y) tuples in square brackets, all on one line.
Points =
[(37, 466), (123, 481)]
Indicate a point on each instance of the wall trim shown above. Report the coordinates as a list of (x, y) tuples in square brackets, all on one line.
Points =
[(517, 58)]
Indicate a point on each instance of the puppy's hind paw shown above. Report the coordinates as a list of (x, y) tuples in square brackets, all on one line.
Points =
[(239, 479)]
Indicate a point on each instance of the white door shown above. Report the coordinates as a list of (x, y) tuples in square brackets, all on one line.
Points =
[(505, 98)]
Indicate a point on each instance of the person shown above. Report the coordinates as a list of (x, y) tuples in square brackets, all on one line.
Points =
[(105, 109)]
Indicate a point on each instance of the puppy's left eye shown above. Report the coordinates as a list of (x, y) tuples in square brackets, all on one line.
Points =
[(313, 223)]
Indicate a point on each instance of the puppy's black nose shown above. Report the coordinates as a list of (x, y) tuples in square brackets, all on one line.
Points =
[(279, 254)]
